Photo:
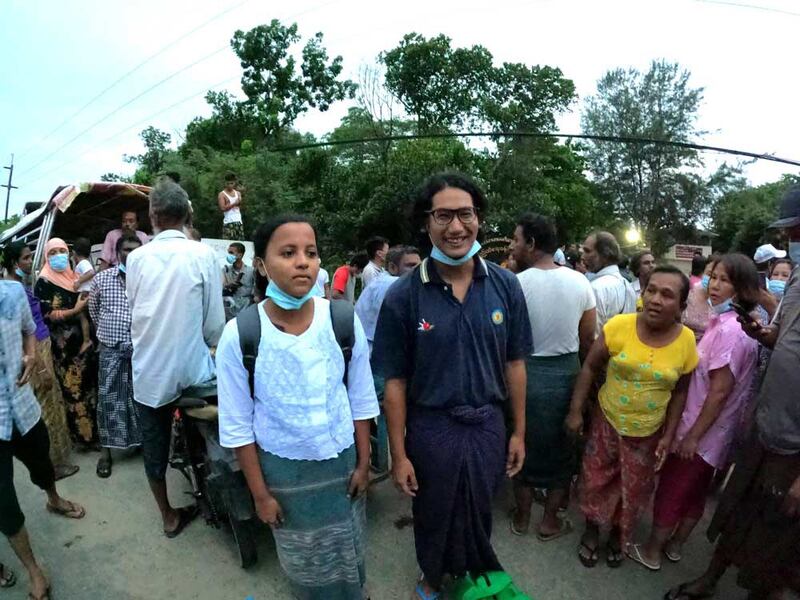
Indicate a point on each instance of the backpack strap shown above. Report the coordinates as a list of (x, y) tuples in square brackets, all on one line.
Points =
[(342, 316), (248, 323)]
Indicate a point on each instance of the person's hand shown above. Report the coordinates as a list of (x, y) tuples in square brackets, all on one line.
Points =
[(76, 285), (688, 447), (85, 347), (516, 455), (404, 477), (81, 303), (574, 424), (269, 511), (28, 363), (359, 481), (791, 505), (662, 450)]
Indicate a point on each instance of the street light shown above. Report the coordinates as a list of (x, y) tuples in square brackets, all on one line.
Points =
[(632, 236)]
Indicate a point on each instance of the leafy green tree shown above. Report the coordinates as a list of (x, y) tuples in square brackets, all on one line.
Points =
[(151, 161), (741, 217), (231, 125), (278, 88), (115, 177), (647, 183)]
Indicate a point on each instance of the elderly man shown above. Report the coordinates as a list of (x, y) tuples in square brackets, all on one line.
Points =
[(238, 281), (451, 343), (117, 417), (130, 222), (758, 517), (613, 293), (399, 261), (23, 434), (175, 293)]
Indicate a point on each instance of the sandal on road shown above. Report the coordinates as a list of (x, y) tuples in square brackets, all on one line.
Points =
[(588, 555), (104, 467), (186, 515), (614, 555), (565, 527), (680, 593), (7, 577), (634, 552), (69, 510), (511, 518)]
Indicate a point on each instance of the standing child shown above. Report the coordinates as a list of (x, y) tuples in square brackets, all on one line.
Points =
[(84, 273)]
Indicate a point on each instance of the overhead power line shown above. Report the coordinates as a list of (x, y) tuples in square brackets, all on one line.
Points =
[(524, 134), (127, 74), (752, 6)]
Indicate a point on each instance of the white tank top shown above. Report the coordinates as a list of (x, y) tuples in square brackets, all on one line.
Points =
[(234, 215)]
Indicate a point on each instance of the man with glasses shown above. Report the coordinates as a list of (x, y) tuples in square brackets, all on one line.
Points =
[(451, 342)]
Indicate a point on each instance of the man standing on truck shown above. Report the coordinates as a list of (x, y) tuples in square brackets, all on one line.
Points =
[(130, 222), (230, 203)]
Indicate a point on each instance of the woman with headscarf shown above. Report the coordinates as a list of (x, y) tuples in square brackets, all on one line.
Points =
[(18, 260), (75, 364)]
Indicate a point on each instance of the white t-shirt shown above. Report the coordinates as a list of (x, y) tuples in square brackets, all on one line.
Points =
[(556, 299), (322, 281), (371, 271), (234, 215), (81, 269)]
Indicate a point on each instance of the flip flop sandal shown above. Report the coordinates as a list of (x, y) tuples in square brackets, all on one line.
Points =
[(564, 529), (512, 514), (419, 593), (594, 555), (64, 471), (673, 556), (7, 577), (680, 593), (634, 552), (74, 511), (104, 468), (185, 516), (614, 557)]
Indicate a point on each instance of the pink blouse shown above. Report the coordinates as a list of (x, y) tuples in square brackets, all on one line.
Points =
[(724, 344)]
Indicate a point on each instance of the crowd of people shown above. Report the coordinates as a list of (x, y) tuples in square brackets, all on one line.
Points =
[(584, 383)]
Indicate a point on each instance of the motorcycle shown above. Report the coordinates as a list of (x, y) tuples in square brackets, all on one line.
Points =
[(217, 483)]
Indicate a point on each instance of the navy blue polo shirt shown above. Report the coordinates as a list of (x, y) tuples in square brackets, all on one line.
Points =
[(449, 353)]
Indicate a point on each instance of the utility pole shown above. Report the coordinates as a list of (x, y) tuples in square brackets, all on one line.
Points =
[(8, 185)]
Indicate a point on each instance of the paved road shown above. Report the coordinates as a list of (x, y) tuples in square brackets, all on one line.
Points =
[(117, 552)]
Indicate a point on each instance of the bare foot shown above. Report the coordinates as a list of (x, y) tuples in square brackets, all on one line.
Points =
[(40, 586)]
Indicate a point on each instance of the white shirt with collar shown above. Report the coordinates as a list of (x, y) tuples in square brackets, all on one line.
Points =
[(371, 271), (175, 294), (614, 295)]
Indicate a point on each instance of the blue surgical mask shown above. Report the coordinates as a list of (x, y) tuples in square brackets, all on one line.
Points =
[(704, 281), (20, 273), (231, 258), (122, 268), (58, 262), (776, 286), (722, 307), (441, 257), (590, 275), (794, 251), (284, 300)]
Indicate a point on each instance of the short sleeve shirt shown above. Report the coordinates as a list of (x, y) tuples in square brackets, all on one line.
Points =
[(641, 378), (724, 344), (345, 283), (452, 353)]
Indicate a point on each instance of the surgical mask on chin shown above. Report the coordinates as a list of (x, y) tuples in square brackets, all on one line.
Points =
[(231, 258), (794, 252), (20, 273), (59, 262), (122, 268), (284, 300), (704, 281), (722, 307), (438, 255), (776, 286)]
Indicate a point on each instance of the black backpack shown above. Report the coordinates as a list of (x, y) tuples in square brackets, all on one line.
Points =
[(248, 322)]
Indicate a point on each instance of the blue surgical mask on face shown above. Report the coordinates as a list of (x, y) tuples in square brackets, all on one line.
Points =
[(58, 262), (704, 281), (722, 307), (794, 251), (231, 258), (776, 286), (284, 300), (441, 257)]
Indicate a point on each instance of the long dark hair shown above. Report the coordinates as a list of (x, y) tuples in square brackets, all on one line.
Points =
[(743, 276)]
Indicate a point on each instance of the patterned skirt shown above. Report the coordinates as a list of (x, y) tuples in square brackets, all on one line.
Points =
[(321, 542), (117, 418), (617, 477), (54, 413), (233, 231)]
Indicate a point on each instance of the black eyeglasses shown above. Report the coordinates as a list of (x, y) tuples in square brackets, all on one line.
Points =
[(445, 216)]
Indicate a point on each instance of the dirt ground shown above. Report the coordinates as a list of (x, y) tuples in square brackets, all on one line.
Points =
[(118, 551)]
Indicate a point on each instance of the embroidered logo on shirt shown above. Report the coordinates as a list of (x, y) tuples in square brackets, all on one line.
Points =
[(424, 326), (497, 317)]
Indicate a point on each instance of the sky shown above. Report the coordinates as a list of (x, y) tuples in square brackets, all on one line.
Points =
[(80, 79)]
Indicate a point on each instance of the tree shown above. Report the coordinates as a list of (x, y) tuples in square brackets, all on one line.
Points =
[(741, 217), (151, 162), (279, 89), (231, 125), (115, 177), (647, 183)]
